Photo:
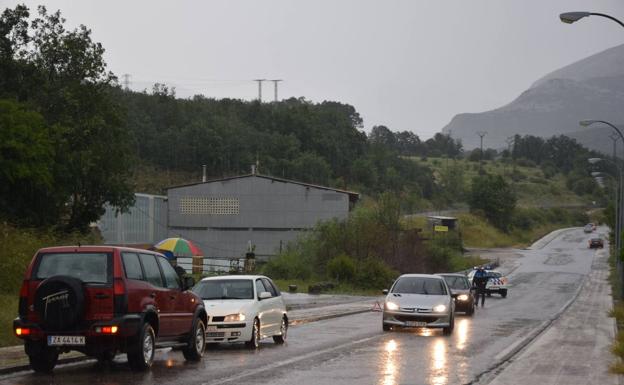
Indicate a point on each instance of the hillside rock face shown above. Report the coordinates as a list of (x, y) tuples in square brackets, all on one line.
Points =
[(592, 88)]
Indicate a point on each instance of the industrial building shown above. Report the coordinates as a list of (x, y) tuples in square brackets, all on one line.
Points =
[(228, 217)]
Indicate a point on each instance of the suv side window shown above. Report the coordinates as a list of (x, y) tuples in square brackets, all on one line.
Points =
[(259, 287), (152, 272), (172, 280), (132, 266), (269, 285)]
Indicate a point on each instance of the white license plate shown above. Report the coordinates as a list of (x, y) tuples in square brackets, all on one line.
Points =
[(66, 340), (211, 328), (415, 324)]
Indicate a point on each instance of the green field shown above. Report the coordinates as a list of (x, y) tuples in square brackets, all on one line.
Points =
[(532, 188)]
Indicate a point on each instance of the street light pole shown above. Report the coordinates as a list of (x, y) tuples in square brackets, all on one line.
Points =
[(618, 203)]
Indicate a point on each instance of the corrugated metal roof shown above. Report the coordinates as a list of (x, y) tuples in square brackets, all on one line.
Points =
[(352, 195)]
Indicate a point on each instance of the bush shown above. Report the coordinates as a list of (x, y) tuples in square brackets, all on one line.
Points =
[(288, 266), (374, 274), (341, 268)]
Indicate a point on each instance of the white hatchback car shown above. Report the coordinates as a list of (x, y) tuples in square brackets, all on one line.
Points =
[(243, 308), (419, 300)]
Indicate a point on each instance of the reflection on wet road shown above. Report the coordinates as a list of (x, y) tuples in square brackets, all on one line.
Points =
[(355, 350)]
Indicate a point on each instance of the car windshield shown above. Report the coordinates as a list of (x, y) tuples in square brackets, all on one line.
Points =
[(88, 267), (419, 285), (456, 282), (225, 289), (493, 274)]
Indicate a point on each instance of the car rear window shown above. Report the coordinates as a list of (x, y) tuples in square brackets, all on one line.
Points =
[(455, 282), (225, 289), (493, 274), (88, 267), (420, 285)]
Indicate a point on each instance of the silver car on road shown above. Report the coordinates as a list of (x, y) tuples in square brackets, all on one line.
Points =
[(419, 300)]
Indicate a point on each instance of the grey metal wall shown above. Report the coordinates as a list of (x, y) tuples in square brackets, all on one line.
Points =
[(145, 223), (224, 216)]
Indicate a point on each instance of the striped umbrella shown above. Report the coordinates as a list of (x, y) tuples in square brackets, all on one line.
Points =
[(178, 247)]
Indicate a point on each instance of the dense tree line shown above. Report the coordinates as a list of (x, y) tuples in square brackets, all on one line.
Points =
[(313, 142)]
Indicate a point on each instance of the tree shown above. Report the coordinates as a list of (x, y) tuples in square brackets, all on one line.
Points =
[(62, 75), (26, 153), (492, 196)]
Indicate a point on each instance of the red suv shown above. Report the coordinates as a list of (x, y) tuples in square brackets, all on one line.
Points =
[(102, 300)]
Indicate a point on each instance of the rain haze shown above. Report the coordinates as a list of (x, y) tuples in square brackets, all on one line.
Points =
[(409, 65)]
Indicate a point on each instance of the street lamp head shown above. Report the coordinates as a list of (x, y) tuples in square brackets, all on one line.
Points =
[(571, 17), (587, 123), (594, 160)]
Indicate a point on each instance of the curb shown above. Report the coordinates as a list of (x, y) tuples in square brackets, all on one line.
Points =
[(554, 234), (329, 316), (63, 361)]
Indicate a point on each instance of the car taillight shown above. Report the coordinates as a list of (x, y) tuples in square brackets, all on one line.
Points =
[(22, 332), (23, 300), (107, 329), (120, 295)]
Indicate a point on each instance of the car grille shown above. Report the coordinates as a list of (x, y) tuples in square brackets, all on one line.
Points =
[(420, 318), (217, 319), (215, 334)]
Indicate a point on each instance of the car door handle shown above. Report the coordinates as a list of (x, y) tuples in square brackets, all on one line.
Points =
[(152, 295), (172, 297)]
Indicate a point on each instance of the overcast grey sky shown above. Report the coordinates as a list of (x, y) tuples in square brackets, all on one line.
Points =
[(409, 65)]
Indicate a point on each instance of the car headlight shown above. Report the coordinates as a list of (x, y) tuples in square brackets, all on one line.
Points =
[(392, 306), (234, 317), (439, 308), (462, 297)]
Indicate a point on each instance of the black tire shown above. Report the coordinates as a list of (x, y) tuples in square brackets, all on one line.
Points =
[(503, 293), (105, 357), (449, 330), (254, 342), (59, 301), (386, 328), (281, 338), (141, 351), (197, 342), (42, 358), (489, 294)]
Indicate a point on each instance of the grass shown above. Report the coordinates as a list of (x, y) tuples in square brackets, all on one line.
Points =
[(8, 304), (618, 312)]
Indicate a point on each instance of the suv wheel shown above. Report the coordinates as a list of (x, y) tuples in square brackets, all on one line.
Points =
[(197, 342), (281, 338), (503, 293), (42, 358), (254, 342), (141, 351)]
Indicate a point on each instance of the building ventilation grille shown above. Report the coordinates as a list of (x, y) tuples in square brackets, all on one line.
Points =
[(209, 206)]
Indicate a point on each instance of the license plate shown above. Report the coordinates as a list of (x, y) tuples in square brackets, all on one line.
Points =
[(211, 328), (415, 324), (66, 340)]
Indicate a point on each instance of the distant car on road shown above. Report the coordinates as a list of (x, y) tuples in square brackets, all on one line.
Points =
[(243, 308), (419, 300), (589, 228), (460, 289), (596, 243), (497, 282), (102, 300)]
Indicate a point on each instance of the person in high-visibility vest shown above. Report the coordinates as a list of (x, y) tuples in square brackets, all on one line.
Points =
[(479, 281)]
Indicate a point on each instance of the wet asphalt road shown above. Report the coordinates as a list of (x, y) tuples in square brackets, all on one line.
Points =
[(354, 350)]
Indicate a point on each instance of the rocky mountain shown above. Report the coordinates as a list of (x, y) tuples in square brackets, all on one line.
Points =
[(592, 88)]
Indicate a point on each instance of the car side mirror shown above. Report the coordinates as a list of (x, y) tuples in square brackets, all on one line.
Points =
[(454, 295), (385, 291), (188, 282), (264, 295)]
